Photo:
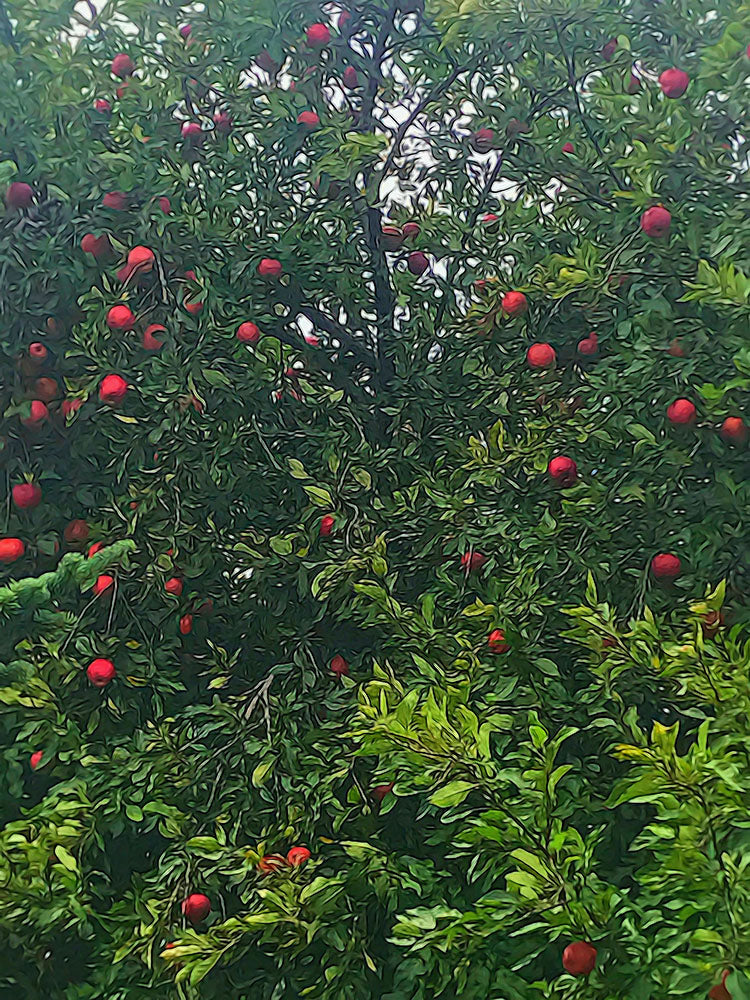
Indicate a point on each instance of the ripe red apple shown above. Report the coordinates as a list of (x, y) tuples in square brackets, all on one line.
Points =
[(116, 200), (609, 49), (122, 65), (349, 78), (410, 230), (191, 131), (326, 525), (269, 267), (298, 856), (19, 195), (391, 238), (541, 356), (563, 471), (11, 549), (112, 389), (496, 641), (589, 345), (417, 262), (568, 148), (93, 549), (38, 413), (46, 389), (186, 30), (514, 304), (472, 561), (674, 82), (734, 430), (339, 666), (26, 496), (71, 406), (633, 85), (223, 122), (676, 349), (140, 259), (76, 531), (318, 35), (100, 672), (196, 907), (186, 624), (174, 586), (579, 958), (193, 307), (482, 140), (379, 792), (35, 759), (98, 246), (269, 864), (150, 341), (345, 17), (103, 583), (248, 333), (123, 89), (120, 318), (682, 411), (102, 105), (37, 353), (665, 566), (309, 119), (489, 218), (266, 63), (165, 205), (656, 221)]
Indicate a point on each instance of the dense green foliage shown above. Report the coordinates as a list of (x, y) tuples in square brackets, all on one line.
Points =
[(322, 491)]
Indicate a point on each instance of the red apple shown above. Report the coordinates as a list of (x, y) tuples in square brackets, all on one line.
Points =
[(410, 230), (196, 907), (633, 85), (568, 148), (665, 566), (100, 672), (191, 131), (391, 238), (579, 958), (609, 49), (563, 471), (496, 641), (339, 666), (298, 856), (269, 864), (122, 65), (541, 356), (19, 195), (318, 35), (112, 389), (102, 105), (472, 561), (248, 333), (674, 82), (46, 389), (98, 246), (165, 205), (349, 78), (676, 349), (116, 200), (37, 353), (103, 583), (682, 411), (26, 496), (193, 307), (223, 122), (186, 624), (326, 525), (309, 119), (734, 430), (186, 30), (150, 340), (120, 318), (174, 586), (76, 531), (656, 221), (514, 304), (11, 549), (38, 413), (589, 345), (35, 759), (93, 549), (482, 140), (489, 218), (269, 267), (379, 792), (71, 406), (417, 262), (345, 17)]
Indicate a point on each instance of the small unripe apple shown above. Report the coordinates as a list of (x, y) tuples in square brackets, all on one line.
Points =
[(150, 340), (102, 105), (391, 238), (674, 82), (665, 566), (269, 864), (496, 641), (589, 345), (682, 411), (579, 958), (186, 624), (19, 195), (568, 148), (563, 471), (541, 356), (298, 856), (38, 413), (26, 496), (248, 333), (734, 430), (339, 666), (269, 267), (98, 246), (174, 586), (196, 907), (326, 525), (309, 119), (113, 389), (116, 200), (655, 222), (122, 65), (514, 304), (482, 140), (417, 262), (11, 549), (35, 759), (100, 672), (103, 583), (379, 792), (472, 561), (318, 35)]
